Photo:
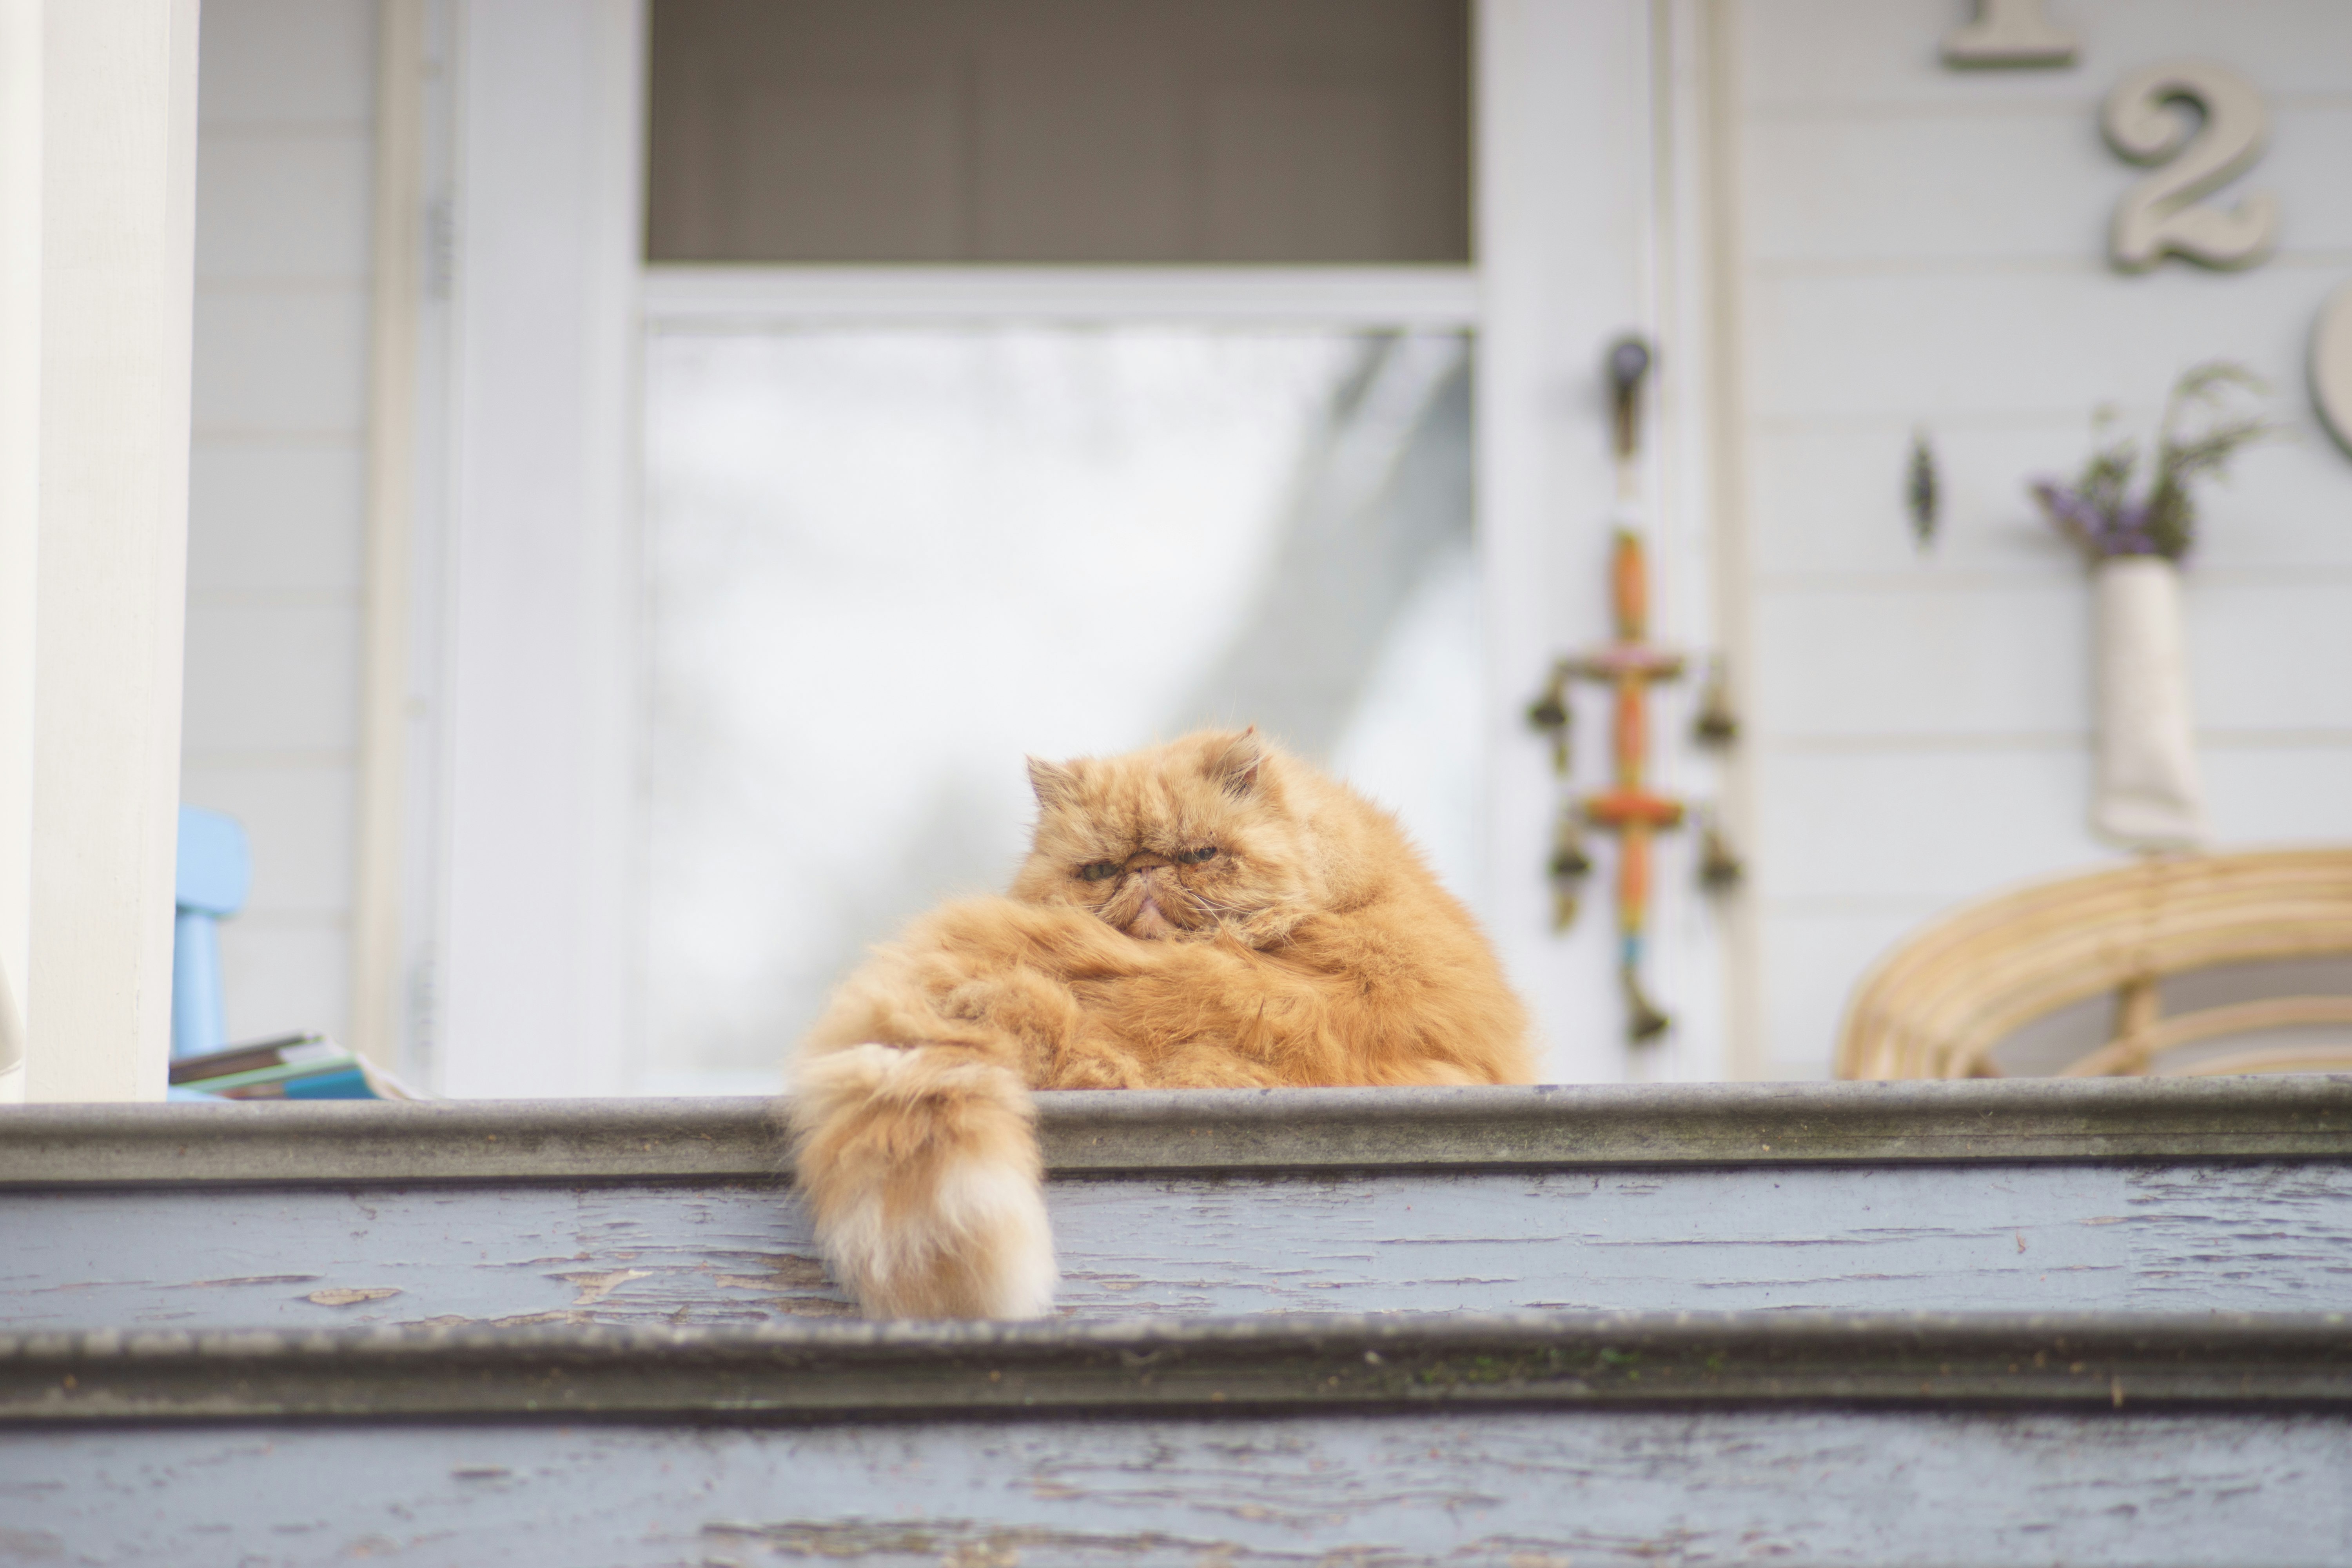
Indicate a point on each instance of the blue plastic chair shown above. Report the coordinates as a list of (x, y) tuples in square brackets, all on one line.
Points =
[(215, 874)]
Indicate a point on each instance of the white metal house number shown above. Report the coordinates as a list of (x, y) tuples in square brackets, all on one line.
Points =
[(2009, 34), (2200, 125), (2163, 215), (2331, 363)]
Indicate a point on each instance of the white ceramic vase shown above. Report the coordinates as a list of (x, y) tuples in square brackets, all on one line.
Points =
[(2145, 794)]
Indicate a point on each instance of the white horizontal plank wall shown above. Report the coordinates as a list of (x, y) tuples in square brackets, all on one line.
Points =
[(1924, 248), (278, 485), (20, 493), (118, 194), (540, 662)]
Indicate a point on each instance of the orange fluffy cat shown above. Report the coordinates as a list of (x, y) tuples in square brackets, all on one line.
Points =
[(1207, 914)]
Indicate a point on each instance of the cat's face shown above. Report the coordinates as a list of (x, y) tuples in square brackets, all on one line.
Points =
[(1178, 842)]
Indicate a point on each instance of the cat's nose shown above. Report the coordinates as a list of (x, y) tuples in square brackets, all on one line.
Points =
[(1145, 860)]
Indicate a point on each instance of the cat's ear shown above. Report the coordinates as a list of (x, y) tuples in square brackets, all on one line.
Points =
[(1235, 765), (1054, 783)]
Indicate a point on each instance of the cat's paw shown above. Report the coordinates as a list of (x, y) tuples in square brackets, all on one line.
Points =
[(922, 1168)]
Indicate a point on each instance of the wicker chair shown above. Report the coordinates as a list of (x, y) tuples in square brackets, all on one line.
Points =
[(1938, 1005)]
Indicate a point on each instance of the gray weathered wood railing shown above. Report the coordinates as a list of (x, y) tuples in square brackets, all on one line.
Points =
[(2089, 1319)]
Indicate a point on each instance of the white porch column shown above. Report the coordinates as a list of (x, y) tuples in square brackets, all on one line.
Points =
[(118, 233), (541, 666), (20, 453)]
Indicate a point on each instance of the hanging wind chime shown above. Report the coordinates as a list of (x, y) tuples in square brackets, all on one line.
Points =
[(1629, 664)]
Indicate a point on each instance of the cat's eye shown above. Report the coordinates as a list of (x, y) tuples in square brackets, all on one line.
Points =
[(1194, 857), (1097, 870)]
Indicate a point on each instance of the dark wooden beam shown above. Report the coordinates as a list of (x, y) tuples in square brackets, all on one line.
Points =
[(1559, 1127), (1368, 1364)]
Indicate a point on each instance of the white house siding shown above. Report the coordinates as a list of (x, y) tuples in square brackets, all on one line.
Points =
[(1911, 247), (1919, 247), (281, 311)]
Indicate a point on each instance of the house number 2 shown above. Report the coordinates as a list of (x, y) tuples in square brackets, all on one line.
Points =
[(2165, 214), (2331, 365)]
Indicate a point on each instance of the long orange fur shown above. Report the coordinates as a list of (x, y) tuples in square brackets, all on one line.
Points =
[(1312, 948)]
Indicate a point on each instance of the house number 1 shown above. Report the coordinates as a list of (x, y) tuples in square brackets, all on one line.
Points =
[(2164, 215), (2008, 34)]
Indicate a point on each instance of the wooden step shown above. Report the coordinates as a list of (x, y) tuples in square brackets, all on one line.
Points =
[(2140, 1195), (1391, 1440), (1950, 1323)]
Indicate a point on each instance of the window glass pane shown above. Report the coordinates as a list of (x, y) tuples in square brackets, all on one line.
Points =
[(1059, 131), (886, 564)]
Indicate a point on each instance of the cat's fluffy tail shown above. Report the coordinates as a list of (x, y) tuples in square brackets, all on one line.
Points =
[(920, 1165)]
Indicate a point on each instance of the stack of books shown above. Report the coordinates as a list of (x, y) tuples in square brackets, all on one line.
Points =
[(297, 1067)]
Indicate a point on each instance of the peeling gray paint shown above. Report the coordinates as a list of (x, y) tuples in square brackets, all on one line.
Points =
[(2273, 1236), (2116, 1198), (1498, 1491)]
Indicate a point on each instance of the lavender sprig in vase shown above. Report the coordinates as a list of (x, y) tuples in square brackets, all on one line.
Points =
[(2145, 793)]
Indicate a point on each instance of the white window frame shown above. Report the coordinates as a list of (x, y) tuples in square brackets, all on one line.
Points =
[(1335, 297)]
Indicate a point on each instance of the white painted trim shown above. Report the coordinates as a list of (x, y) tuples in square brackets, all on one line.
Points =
[(1699, 929), (1742, 960), (1559, 237), (539, 666), (20, 497), (117, 253), (418, 980), (688, 297), (1589, 227), (378, 907)]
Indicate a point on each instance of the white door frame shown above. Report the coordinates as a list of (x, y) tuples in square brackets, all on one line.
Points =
[(1590, 115), (537, 675)]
